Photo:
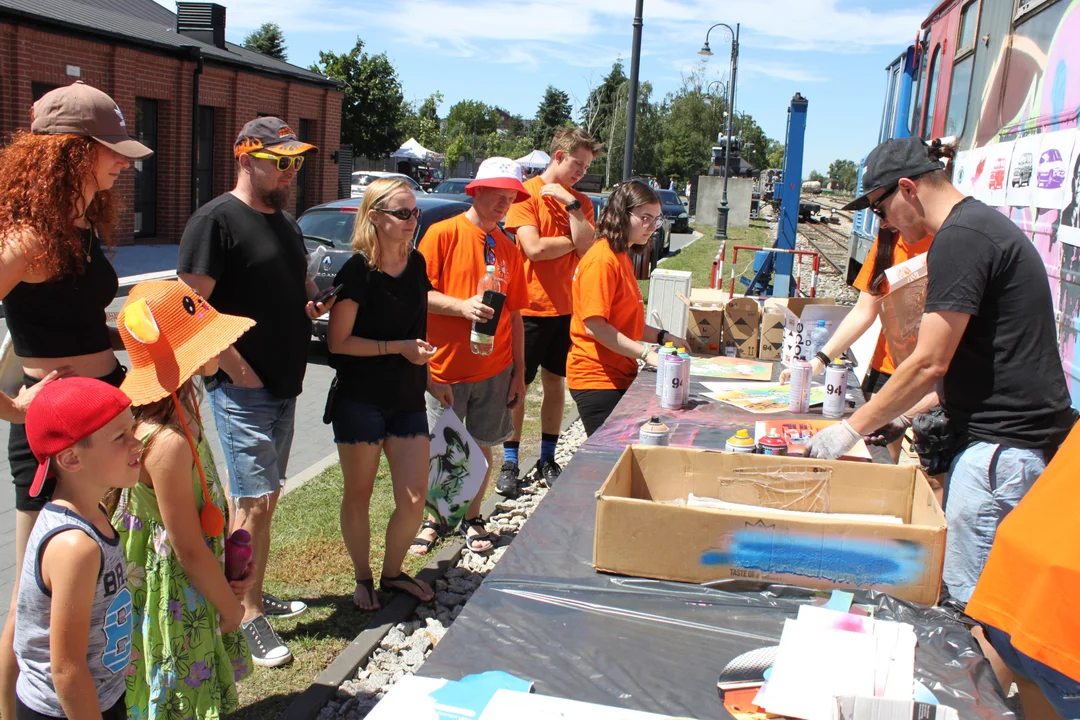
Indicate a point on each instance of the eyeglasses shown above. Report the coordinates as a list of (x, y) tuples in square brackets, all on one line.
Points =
[(647, 220), (284, 162), (875, 207), (489, 250), (401, 214)]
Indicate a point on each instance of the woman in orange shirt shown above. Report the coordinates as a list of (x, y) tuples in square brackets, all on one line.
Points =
[(607, 329)]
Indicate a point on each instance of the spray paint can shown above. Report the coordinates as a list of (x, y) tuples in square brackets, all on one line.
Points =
[(835, 389), (654, 432), (741, 442), (662, 356), (799, 395), (772, 444), (672, 398), (685, 376)]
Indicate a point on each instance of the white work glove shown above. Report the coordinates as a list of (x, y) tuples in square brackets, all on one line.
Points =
[(833, 441)]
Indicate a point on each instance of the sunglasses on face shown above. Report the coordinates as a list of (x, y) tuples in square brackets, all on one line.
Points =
[(875, 207), (489, 250), (401, 214), (283, 162)]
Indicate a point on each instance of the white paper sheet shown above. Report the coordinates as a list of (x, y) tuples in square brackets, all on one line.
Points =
[(1021, 178), (1051, 182), (991, 184), (510, 705)]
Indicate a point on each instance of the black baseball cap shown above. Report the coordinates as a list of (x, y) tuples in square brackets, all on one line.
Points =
[(889, 162), (272, 135)]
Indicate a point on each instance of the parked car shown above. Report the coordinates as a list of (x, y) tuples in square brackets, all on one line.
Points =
[(330, 226), (997, 175), (362, 178), (659, 243), (675, 211), (1051, 170), (453, 189), (1021, 174)]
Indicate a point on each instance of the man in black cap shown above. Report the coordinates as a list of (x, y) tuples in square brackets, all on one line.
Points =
[(245, 255), (987, 335)]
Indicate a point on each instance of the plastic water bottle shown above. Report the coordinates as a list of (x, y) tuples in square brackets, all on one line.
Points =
[(481, 342), (237, 554), (818, 337)]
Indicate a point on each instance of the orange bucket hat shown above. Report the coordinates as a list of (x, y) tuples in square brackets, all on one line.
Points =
[(170, 332)]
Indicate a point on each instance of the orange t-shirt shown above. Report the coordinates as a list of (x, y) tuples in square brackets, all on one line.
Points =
[(903, 251), (548, 280), (604, 286), (1030, 587), (454, 251)]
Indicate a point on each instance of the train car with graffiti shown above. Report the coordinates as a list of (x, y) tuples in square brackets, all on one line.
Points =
[(1003, 77)]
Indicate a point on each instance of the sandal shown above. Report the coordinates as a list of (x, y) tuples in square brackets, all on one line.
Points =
[(368, 585), (440, 532), (483, 536), (408, 585)]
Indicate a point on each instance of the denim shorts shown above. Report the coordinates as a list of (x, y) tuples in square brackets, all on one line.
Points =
[(1060, 690), (355, 421), (984, 484), (256, 433)]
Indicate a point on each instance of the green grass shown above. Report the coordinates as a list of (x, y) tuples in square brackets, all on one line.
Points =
[(308, 561), (698, 257)]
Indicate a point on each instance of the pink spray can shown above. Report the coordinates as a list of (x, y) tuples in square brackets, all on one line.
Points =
[(237, 554)]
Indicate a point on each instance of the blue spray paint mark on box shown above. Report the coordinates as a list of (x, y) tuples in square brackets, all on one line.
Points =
[(856, 561)]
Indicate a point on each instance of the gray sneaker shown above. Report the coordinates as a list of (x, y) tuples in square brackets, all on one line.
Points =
[(267, 649), (282, 609)]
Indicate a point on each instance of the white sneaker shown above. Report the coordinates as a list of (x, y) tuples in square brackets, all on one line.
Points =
[(282, 609), (267, 649)]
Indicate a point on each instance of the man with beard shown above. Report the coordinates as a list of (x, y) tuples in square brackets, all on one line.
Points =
[(246, 256)]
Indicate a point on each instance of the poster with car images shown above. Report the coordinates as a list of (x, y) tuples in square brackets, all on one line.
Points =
[(456, 470), (995, 176), (970, 164), (1021, 178), (1052, 170)]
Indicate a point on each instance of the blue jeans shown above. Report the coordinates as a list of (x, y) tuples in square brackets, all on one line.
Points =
[(984, 484), (256, 433), (1060, 690)]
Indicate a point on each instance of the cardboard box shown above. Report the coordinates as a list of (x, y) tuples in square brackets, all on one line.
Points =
[(800, 317), (742, 319), (704, 328), (771, 346), (639, 531)]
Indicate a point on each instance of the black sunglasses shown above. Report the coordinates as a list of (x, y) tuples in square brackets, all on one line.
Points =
[(875, 207), (489, 250), (401, 214)]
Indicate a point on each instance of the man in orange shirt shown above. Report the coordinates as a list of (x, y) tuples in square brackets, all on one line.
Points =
[(554, 225), (482, 389)]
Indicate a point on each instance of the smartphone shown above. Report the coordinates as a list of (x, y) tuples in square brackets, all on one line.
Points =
[(327, 293)]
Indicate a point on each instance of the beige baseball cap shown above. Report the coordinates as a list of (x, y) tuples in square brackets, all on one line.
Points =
[(79, 109)]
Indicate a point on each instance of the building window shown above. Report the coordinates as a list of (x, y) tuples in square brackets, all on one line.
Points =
[(38, 89), (931, 93), (204, 171), (303, 191), (963, 67), (146, 130), (920, 85)]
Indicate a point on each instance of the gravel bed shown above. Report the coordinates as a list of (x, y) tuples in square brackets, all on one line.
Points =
[(408, 644)]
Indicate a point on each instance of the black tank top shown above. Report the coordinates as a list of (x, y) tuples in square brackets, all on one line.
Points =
[(64, 317)]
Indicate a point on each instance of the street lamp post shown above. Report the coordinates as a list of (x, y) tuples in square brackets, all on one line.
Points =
[(722, 210), (631, 105)]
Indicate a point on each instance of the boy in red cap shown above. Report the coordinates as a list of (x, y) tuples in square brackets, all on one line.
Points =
[(73, 613)]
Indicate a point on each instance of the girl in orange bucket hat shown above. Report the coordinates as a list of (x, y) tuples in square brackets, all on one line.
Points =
[(172, 522)]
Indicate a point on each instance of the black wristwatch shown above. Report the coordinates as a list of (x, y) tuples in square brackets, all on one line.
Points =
[(660, 337), (576, 205), (823, 358)]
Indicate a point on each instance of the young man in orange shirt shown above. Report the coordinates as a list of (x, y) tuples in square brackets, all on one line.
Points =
[(482, 389), (555, 228)]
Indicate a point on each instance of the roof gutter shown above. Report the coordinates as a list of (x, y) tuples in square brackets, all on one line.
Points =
[(195, 54)]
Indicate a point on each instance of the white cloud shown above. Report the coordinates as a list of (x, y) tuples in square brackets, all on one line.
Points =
[(780, 71)]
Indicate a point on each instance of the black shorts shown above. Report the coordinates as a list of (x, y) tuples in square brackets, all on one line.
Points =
[(21, 459), (595, 406), (547, 343), (116, 712), (873, 382)]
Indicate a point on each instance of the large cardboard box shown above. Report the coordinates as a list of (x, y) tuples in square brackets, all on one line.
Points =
[(641, 531), (704, 328), (773, 322), (800, 317), (742, 318)]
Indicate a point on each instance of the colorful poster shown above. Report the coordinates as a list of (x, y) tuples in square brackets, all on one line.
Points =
[(726, 368), (756, 398), (969, 166), (456, 470), (1021, 180), (798, 432), (1052, 170), (991, 185)]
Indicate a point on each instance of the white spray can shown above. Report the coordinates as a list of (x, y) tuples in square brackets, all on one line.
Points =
[(672, 397), (835, 390), (661, 359)]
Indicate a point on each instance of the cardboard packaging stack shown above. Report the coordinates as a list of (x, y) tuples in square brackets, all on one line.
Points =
[(742, 320), (704, 329)]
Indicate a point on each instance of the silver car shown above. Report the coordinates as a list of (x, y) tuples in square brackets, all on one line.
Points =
[(362, 178)]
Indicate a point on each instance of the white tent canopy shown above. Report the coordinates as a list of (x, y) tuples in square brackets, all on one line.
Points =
[(413, 150), (536, 160)]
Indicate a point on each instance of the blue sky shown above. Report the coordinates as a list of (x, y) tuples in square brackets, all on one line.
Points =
[(507, 52)]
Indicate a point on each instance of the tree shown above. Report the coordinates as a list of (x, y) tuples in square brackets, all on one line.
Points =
[(553, 113), (423, 123), (268, 40), (774, 156), (845, 173), (815, 176), (648, 138), (692, 122), (472, 117), (373, 110), (600, 108)]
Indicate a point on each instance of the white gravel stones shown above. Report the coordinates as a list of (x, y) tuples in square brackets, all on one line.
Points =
[(408, 644)]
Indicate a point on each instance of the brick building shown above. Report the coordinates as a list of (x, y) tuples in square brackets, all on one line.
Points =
[(184, 91)]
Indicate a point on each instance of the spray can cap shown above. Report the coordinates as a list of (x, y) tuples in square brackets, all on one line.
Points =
[(838, 362), (682, 350), (742, 433), (491, 269), (669, 344)]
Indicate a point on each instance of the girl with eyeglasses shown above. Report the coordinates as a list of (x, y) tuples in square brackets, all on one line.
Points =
[(377, 341), (608, 333)]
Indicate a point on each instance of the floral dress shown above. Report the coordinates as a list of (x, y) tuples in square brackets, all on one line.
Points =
[(182, 665)]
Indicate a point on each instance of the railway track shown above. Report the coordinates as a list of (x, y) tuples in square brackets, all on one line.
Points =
[(829, 242)]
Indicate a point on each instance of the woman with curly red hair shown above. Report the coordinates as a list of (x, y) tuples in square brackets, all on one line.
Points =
[(56, 211)]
